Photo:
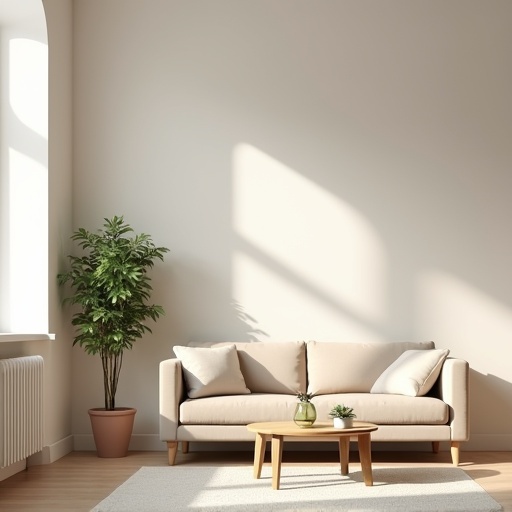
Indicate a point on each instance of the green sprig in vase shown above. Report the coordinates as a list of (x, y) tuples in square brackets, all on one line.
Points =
[(305, 412)]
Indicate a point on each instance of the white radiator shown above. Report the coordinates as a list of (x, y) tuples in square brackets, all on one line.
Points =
[(21, 408)]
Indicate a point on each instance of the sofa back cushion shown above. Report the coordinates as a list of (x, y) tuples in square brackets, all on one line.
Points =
[(270, 366), (334, 367)]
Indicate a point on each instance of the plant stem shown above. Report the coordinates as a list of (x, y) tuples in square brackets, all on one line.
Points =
[(111, 369)]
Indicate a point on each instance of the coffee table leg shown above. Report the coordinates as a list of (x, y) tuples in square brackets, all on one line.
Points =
[(277, 454), (365, 454), (259, 454), (344, 445)]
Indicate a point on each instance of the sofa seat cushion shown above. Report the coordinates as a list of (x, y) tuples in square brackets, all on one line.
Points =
[(270, 366), (335, 367), (386, 409), (237, 409), (375, 408)]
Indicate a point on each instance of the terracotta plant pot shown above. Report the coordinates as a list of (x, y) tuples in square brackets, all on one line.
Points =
[(112, 430)]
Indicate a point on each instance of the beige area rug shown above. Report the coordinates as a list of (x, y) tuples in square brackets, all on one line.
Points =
[(303, 488)]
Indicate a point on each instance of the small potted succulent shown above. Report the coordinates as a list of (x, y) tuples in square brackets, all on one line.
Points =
[(343, 416), (305, 411)]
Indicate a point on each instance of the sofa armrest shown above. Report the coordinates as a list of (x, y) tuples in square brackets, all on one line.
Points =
[(454, 391), (170, 396)]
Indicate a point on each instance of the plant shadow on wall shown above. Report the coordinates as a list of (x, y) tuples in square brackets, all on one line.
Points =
[(112, 289), (250, 332)]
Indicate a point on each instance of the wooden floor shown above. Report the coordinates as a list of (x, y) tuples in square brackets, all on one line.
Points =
[(80, 480)]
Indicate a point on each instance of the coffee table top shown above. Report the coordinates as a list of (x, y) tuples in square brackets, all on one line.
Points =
[(319, 429)]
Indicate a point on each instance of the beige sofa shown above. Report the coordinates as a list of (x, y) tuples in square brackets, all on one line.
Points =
[(413, 391)]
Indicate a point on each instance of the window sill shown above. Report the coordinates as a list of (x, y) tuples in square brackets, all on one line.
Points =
[(18, 338)]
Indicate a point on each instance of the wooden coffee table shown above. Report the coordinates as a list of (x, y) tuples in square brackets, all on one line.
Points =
[(277, 430)]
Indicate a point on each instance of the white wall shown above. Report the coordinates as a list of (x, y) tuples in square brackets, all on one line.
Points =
[(320, 170)]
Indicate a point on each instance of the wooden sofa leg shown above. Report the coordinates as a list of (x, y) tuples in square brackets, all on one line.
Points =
[(172, 447), (435, 446), (455, 449), (184, 446)]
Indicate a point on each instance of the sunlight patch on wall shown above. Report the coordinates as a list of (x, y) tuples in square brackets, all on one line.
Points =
[(288, 311), (28, 276), (24, 172), (330, 253), (28, 83), (461, 315)]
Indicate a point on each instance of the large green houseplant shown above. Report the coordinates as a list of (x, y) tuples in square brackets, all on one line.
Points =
[(111, 287)]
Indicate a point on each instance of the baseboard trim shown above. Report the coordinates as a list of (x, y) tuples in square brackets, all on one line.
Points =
[(488, 443), (147, 442), (138, 443), (83, 443), (51, 453), (151, 443)]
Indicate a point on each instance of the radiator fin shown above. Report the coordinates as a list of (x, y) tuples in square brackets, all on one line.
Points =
[(21, 408)]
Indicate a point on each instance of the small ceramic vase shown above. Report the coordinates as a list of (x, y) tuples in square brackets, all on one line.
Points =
[(343, 422)]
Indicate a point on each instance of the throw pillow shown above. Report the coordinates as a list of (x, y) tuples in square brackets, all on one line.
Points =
[(412, 374), (211, 371)]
